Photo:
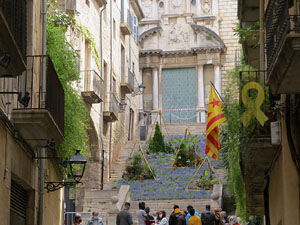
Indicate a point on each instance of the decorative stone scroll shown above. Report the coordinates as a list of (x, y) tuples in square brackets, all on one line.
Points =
[(147, 8), (206, 6)]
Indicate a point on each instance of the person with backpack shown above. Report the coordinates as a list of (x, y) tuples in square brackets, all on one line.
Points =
[(182, 218), (173, 220), (194, 220), (207, 216), (189, 207)]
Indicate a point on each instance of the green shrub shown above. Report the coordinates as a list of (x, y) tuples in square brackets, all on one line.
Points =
[(157, 144), (137, 169), (188, 154)]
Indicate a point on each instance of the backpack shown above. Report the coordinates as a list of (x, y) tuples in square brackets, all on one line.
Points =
[(174, 218), (207, 218)]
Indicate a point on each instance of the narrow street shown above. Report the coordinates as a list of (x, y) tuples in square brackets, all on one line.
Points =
[(143, 112)]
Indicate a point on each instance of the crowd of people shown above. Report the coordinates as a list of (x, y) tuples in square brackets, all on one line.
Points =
[(187, 217)]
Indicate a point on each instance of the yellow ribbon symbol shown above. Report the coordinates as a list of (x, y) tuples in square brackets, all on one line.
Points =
[(253, 106)]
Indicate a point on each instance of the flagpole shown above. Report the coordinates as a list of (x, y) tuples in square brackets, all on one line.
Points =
[(217, 92)]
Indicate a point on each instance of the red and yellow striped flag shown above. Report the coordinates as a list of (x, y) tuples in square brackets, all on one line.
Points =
[(215, 117)]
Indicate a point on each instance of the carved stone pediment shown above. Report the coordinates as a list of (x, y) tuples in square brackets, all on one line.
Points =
[(150, 32), (181, 39), (208, 38)]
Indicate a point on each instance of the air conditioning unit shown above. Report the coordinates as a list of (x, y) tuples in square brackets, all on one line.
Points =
[(275, 133)]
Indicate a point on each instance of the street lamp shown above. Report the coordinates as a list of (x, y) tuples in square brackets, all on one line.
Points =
[(122, 105), (79, 162), (77, 167), (140, 89)]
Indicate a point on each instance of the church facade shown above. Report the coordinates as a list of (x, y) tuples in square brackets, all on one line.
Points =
[(184, 46)]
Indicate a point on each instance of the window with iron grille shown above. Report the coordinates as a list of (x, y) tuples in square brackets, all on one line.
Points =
[(18, 204), (15, 15)]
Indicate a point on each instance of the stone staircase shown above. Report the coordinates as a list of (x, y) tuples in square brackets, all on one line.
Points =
[(179, 128), (119, 165)]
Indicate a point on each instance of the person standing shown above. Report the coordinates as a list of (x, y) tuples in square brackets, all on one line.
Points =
[(173, 220), (194, 220), (77, 220), (95, 220), (207, 216), (189, 207), (182, 218), (150, 219), (124, 217), (162, 219), (218, 220), (141, 214)]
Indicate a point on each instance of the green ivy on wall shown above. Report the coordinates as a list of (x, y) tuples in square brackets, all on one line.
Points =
[(91, 43), (64, 59), (234, 135)]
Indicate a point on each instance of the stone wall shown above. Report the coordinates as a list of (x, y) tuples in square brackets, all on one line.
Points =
[(228, 21)]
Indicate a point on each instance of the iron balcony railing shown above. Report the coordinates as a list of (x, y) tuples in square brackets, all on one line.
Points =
[(93, 82), (113, 104), (129, 79), (279, 23), (258, 76), (44, 94)]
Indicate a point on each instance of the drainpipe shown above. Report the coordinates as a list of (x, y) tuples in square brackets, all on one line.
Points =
[(41, 199), (101, 104), (111, 80), (261, 40), (42, 161)]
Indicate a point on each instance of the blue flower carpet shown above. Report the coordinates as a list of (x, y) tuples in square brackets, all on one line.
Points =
[(170, 183)]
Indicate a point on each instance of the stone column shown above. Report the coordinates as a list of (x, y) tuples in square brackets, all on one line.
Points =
[(198, 7), (188, 6), (155, 9), (113, 211), (217, 82), (200, 89), (155, 88), (155, 94), (141, 96)]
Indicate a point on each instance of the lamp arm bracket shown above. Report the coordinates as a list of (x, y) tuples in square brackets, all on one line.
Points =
[(54, 186)]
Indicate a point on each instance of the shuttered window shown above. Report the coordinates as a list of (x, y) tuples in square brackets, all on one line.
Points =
[(18, 204), (15, 15)]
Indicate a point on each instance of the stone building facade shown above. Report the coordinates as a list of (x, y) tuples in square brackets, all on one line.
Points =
[(185, 45), (28, 119), (107, 81)]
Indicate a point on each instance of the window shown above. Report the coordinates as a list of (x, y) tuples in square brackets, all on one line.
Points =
[(114, 27), (122, 63), (114, 85), (15, 13), (18, 204), (135, 27), (122, 12)]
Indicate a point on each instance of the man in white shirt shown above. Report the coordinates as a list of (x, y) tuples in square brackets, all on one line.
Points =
[(141, 214)]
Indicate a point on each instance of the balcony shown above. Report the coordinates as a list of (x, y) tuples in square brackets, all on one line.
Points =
[(248, 14), (93, 87), (126, 26), (111, 108), (43, 117), (257, 153), (127, 84), (283, 48)]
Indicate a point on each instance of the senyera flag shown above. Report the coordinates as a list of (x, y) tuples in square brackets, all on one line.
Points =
[(215, 117)]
